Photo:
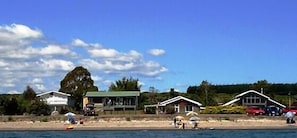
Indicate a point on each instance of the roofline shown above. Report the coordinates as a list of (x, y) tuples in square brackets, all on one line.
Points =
[(243, 93), (134, 93), (54, 92), (253, 92), (171, 100)]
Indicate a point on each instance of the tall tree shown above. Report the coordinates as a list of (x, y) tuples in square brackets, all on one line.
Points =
[(261, 86), (173, 93), (29, 94), (206, 93), (126, 84), (77, 83), (205, 89)]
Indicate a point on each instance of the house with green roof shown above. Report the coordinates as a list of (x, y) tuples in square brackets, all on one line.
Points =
[(112, 100)]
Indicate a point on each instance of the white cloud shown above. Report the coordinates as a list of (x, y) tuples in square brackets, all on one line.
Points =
[(54, 50), (96, 78), (13, 92), (156, 52), (79, 42), (140, 83), (107, 82), (17, 35), (105, 53), (39, 87), (57, 64), (37, 80), (25, 59)]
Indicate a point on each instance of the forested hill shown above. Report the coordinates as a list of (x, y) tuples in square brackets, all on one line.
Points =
[(268, 88)]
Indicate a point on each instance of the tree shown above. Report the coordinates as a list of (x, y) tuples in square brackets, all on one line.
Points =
[(77, 83), (206, 93), (261, 85), (126, 84), (39, 107), (29, 94), (11, 106), (173, 93)]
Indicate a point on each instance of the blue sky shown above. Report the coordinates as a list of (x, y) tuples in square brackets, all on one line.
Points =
[(165, 44)]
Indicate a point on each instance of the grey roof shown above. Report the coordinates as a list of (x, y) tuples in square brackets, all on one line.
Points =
[(113, 94)]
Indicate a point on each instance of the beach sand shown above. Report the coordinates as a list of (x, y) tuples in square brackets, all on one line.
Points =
[(118, 124)]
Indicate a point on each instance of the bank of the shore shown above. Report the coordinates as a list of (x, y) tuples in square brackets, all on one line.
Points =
[(136, 122)]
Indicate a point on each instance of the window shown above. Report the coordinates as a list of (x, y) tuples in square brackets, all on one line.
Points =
[(176, 108), (189, 108)]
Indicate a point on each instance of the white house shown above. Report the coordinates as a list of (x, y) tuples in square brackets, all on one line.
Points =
[(56, 100)]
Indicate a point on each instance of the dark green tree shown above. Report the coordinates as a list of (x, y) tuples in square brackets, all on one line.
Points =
[(206, 93), (261, 85), (29, 94), (39, 107), (77, 83), (11, 106), (173, 93), (126, 84)]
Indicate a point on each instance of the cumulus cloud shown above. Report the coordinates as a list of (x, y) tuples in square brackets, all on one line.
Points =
[(17, 35), (57, 64), (26, 60), (37, 80), (79, 42), (54, 50), (96, 78), (156, 52), (13, 92)]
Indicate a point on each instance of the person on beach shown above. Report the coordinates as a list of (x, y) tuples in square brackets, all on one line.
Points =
[(174, 121), (184, 125), (195, 125)]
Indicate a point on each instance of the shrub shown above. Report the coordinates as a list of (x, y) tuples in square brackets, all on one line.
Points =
[(169, 110), (44, 119), (224, 110), (128, 118), (150, 111), (10, 118)]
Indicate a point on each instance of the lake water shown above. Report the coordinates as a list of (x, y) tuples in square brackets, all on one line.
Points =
[(153, 134)]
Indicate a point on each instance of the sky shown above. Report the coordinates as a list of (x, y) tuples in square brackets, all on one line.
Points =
[(162, 43)]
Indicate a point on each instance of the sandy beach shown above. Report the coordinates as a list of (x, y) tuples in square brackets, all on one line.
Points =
[(122, 124)]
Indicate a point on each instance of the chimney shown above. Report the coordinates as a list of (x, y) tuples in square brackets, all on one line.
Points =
[(262, 90)]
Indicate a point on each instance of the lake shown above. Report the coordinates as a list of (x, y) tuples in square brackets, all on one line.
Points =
[(152, 134)]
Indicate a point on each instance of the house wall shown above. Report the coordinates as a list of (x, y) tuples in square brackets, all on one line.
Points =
[(182, 106), (55, 99), (85, 101), (254, 99), (123, 103)]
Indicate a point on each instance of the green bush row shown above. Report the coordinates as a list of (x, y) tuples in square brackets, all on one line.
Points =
[(224, 110)]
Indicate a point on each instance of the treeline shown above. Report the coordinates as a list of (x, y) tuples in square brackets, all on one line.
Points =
[(213, 95), (26, 103), (263, 85)]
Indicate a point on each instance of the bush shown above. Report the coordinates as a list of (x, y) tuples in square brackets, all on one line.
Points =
[(10, 119), (44, 119), (39, 108), (150, 111), (224, 110), (169, 110), (128, 118)]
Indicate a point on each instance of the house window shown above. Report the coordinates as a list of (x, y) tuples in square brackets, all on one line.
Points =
[(176, 108), (189, 108)]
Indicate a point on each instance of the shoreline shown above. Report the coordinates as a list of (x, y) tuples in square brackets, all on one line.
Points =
[(132, 125)]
